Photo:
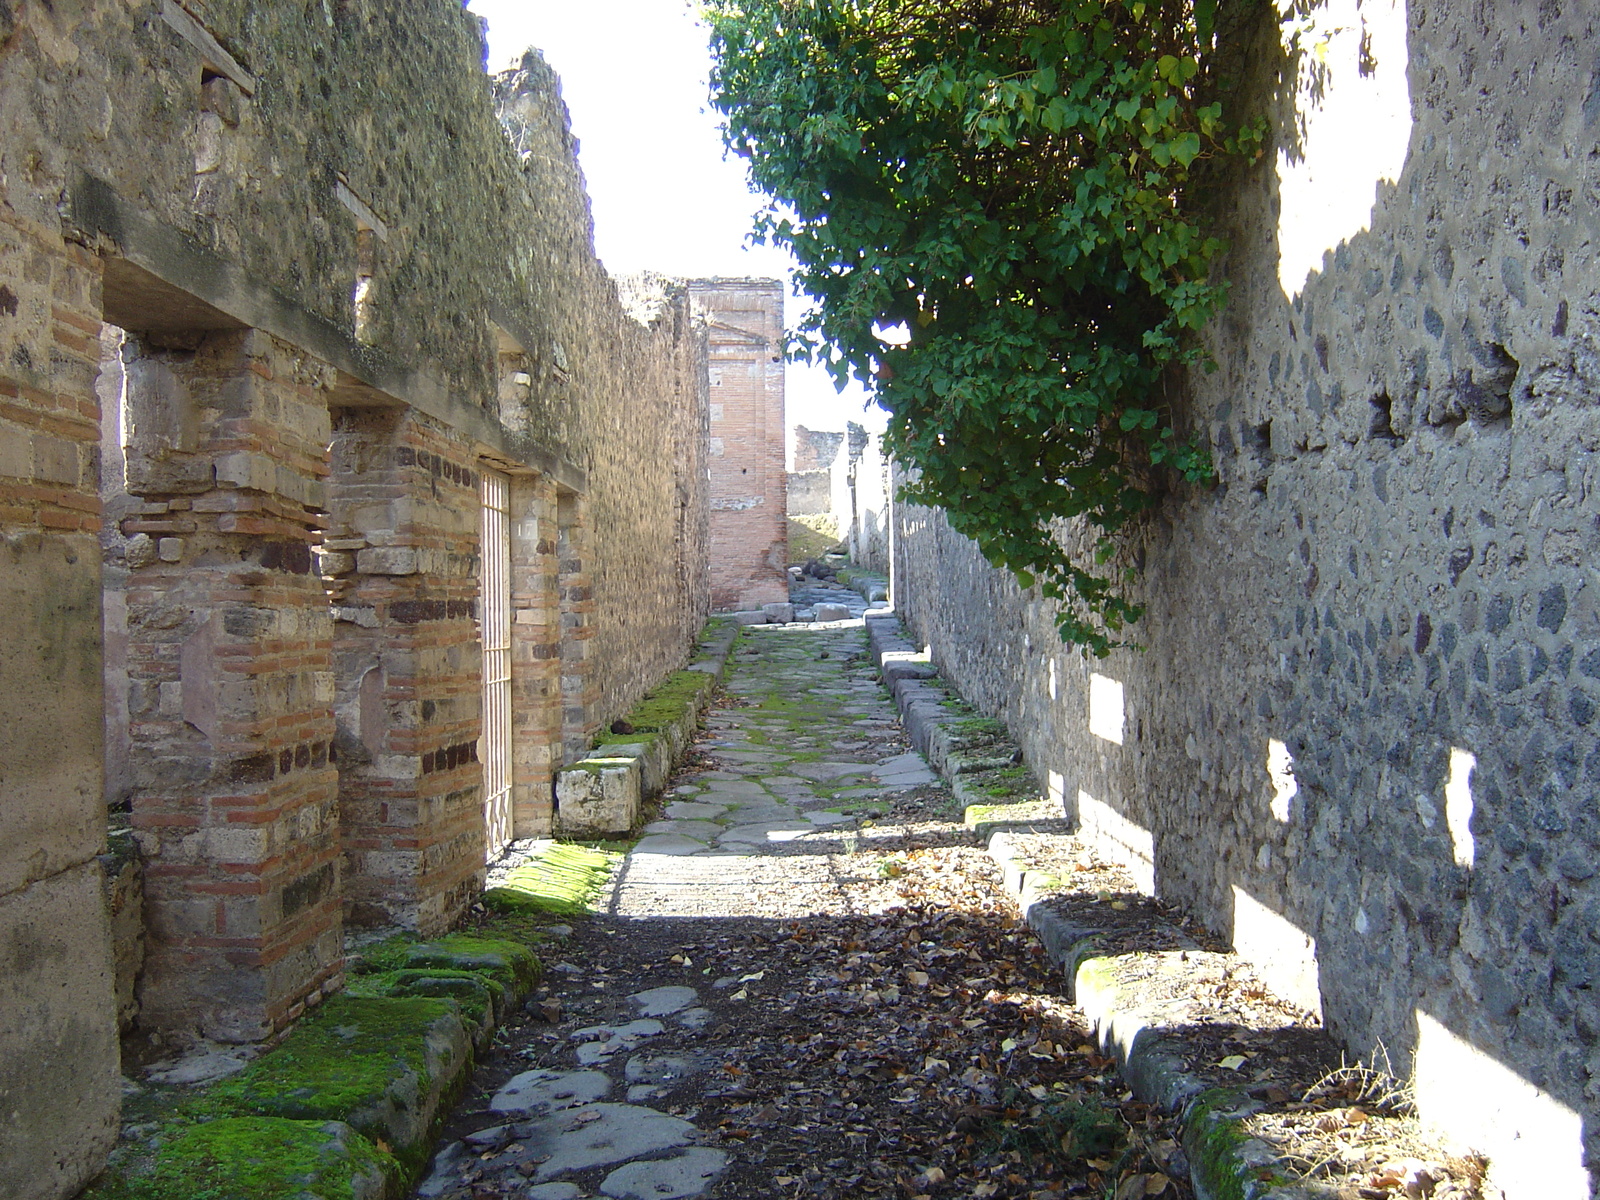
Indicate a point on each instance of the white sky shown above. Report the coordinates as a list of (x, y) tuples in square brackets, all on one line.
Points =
[(634, 75)]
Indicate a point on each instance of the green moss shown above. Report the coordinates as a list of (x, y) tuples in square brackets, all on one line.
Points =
[(1212, 1139), (358, 1059), (512, 963), (481, 997), (678, 694), (561, 879), (387, 955), (254, 1158), (986, 727), (625, 739)]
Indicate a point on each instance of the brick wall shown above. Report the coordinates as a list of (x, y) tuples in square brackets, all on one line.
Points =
[(230, 668), (749, 521), (401, 564)]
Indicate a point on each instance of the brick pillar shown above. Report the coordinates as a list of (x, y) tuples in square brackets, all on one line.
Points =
[(580, 693), (401, 567), (59, 1093), (536, 662), (230, 681)]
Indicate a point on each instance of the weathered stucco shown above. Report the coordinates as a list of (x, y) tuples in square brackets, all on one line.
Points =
[(1363, 726)]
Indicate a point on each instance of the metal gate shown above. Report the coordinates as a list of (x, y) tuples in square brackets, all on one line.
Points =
[(494, 747)]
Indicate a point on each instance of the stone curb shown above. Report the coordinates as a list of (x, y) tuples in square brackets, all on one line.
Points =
[(1225, 1163), (869, 585), (606, 791), (382, 1132)]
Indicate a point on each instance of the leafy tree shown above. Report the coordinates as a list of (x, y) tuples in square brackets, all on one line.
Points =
[(1011, 181)]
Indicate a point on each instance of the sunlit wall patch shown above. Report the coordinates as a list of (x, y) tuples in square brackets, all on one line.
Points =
[(1280, 772), (1105, 708), (1458, 805)]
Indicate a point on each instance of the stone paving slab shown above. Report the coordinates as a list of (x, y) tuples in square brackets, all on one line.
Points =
[(662, 1001), (767, 831), (704, 831), (686, 1174), (547, 1091), (669, 843), (694, 810), (831, 770)]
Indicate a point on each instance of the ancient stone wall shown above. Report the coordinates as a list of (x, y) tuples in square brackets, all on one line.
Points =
[(809, 492), (815, 449), (58, 1051), (1361, 736), (749, 524), (869, 498), (342, 275)]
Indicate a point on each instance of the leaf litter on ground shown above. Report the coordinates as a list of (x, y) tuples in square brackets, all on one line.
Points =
[(913, 1047)]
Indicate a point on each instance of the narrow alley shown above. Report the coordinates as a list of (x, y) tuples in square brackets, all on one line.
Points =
[(805, 980)]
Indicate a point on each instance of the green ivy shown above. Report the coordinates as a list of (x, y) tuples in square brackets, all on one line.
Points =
[(1011, 180)]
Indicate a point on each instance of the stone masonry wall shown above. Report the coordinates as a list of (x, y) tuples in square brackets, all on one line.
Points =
[(342, 272), (403, 546), (1361, 737), (749, 546), (58, 1051)]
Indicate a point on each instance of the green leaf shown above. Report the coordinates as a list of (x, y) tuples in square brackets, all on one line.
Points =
[(1014, 190)]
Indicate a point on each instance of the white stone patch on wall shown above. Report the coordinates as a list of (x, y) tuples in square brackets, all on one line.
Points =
[(1105, 707), (1458, 805), (1114, 835), (1359, 128), (1280, 771), (1056, 786), (1533, 1141), (1285, 956), (717, 449)]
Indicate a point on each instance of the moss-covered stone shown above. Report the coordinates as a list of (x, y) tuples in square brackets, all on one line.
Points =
[(560, 879), (252, 1158), (625, 739), (482, 998), (680, 693), (385, 1066), (381, 957), (1214, 1139), (512, 963)]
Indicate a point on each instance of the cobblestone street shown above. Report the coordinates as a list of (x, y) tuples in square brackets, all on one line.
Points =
[(805, 980)]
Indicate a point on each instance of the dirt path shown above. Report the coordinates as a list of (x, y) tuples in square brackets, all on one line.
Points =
[(805, 982)]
